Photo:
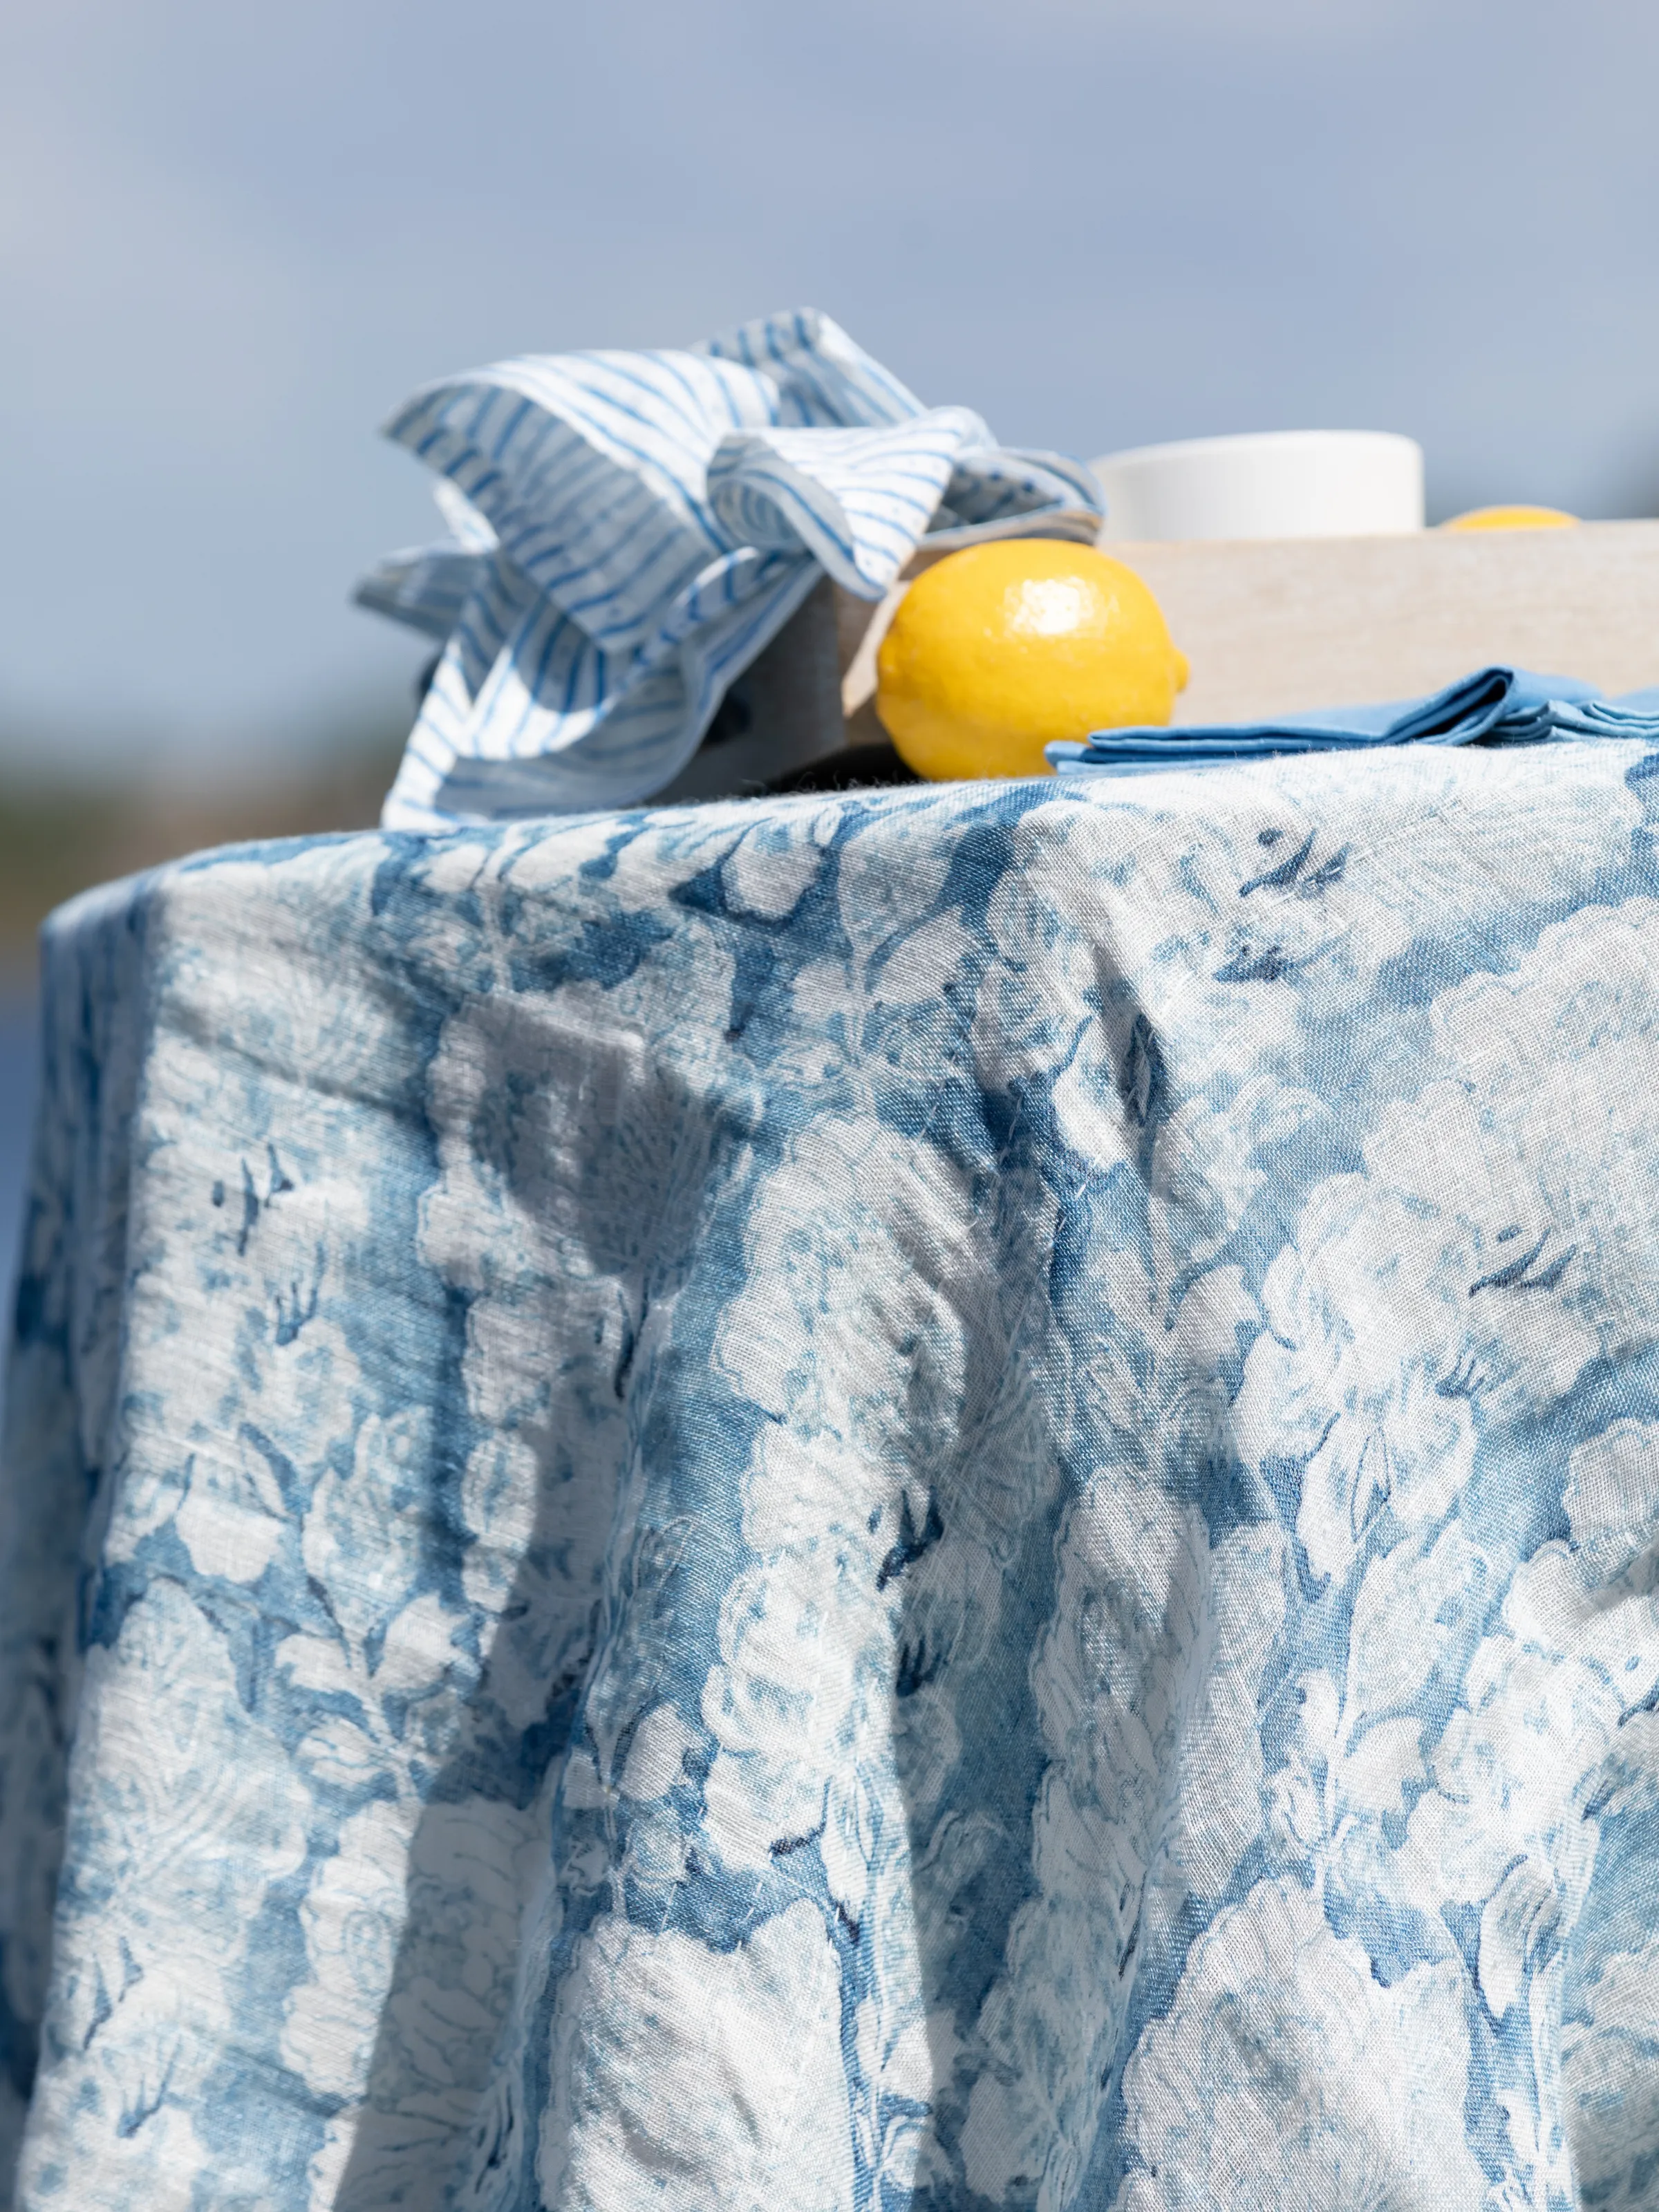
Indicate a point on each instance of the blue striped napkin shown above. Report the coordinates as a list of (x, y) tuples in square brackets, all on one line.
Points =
[(1499, 705), (627, 531)]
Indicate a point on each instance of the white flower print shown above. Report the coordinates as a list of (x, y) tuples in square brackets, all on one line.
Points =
[(1610, 2081), (411, 1935), (1286, 2073), (684, 2078), (1536, 1751), (1467, 1262), (1114, 1678), (188, 1815)]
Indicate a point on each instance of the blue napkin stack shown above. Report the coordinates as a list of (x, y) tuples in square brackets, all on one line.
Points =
[(1495, 706)]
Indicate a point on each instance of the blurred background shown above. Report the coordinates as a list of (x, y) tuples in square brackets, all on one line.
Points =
[(232, 238)]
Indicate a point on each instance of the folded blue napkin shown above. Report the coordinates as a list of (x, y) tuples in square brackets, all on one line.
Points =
[(628, 530), (1498, 705)]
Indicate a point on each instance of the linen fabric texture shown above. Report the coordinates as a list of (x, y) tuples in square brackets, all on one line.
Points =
[(627, 531), (939, 1499)]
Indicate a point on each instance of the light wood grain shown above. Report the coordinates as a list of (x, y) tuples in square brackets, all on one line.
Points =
[(1276, 626)]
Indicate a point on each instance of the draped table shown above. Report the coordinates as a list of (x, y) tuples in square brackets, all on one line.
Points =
[(941, 1499)]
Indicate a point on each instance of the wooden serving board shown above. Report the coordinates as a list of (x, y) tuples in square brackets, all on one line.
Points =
[(1279, 626)]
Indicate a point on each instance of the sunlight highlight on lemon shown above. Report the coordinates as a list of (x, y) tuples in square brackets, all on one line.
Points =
[(998, 650)]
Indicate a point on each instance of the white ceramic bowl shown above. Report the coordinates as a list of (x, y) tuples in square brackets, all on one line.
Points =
[(1271, 483)]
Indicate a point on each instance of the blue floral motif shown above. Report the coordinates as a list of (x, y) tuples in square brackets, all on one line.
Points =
[(900, 1502)]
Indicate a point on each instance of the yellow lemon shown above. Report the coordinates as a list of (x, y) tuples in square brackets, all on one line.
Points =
[(1512, 518), (998, 650)]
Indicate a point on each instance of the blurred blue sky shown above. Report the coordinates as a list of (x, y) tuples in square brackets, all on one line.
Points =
[(232, 237)]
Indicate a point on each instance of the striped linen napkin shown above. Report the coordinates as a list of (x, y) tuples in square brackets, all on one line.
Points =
[(627, 531)]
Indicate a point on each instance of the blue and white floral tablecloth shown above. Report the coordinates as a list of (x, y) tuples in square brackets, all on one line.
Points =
[(940, 1499)]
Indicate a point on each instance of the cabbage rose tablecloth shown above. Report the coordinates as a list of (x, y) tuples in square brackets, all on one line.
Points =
[(934, 1499)]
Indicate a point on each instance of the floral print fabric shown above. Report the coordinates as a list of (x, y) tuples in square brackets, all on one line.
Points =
[(932, 1500)]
